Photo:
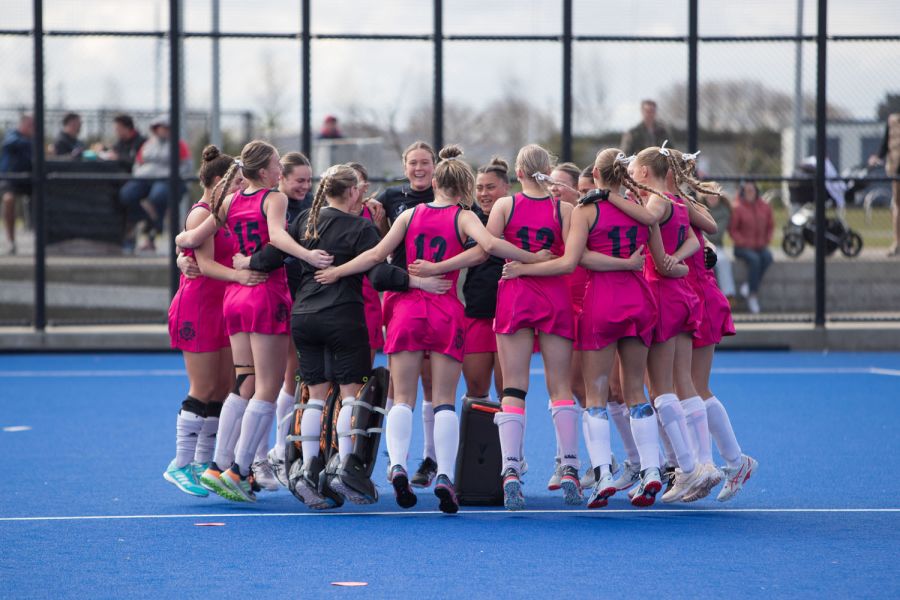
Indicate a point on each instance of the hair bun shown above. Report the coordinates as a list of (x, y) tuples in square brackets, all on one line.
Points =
[(500, 164), (211, 153), (450, 151)]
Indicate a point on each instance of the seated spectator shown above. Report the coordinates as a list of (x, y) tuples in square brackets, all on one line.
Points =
[(330, 129), (147, 201), (67, 144), (751, 229), (720, 209), (15, 157), (128, 142)]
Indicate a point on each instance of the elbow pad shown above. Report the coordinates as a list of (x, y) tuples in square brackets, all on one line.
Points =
[(388, 278), (709, 257), (267, 259)]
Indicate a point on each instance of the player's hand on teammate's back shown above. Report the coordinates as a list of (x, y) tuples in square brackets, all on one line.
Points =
[(251, 278), (544, 255), (377, 210), (637, 258), (319, 259), (432, 285), (512, 269), (326, 276), (422, 268), (188, 266), (240, 262)]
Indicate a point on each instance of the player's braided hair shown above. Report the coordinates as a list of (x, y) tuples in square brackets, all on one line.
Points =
[(455, 176), (254, 157), (612, 165), (683, 169), (335, 182)]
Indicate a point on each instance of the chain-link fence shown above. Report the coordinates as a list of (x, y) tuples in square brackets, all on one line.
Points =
[(737, 80)]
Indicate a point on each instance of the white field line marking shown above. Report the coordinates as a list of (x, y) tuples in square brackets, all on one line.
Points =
[(716, 371), (634, 512)]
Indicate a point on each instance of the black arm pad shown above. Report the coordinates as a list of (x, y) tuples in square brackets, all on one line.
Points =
[(709, 257), (388, 278), (267, 259)]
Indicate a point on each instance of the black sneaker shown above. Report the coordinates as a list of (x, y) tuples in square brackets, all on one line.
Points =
[(445, 491), (400, 480), (425, 474)]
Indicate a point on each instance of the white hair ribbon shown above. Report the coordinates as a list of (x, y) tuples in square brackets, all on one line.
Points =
[(239, 163), (691, 157), (663, 150)]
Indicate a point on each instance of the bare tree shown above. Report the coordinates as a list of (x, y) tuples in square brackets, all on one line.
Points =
[(273, 98)]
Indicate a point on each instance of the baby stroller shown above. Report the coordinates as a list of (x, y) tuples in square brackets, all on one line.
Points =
[(801, 228)]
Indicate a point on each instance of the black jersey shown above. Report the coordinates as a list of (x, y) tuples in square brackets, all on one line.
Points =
[(480, 287), (396, 200), (295, 207)]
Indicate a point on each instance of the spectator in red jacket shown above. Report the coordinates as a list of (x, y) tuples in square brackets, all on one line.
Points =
[(751, 229)]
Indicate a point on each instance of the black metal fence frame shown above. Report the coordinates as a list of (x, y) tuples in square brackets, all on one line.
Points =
[(305, 37)]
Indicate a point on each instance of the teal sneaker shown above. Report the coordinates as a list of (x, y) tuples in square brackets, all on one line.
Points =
[(199, 469), (239, 487), (185, 480)]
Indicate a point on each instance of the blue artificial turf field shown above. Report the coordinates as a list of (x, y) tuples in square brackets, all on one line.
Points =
[(86, 512)]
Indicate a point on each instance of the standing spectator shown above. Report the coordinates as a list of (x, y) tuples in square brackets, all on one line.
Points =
[(751, 229), (128, 142), (889, 154), (15, 157), (720, 209), (330, 129), (149, 199), (649, 132), (67, 144)]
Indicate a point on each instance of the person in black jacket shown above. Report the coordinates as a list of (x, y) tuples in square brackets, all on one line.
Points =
[(328, 323)]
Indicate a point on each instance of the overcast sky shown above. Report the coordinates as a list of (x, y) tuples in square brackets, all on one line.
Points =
[(97, 72)]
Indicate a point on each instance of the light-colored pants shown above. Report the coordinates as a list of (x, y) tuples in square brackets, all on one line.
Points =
[(724, 274)]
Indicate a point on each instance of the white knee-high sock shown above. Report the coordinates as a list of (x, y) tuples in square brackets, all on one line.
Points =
[(722, 433), (311, 425), (596, 425), (646, 434), (669, 459), (399, 430), (206, 441), (283, 407), (256, 422), (555, 432), (696, 419), (446, 439), (428, 429), (671, 416), (565, 419), (229, 429), (345, 441), (263, 448), (187, 431), (619, 413), (511, 426)]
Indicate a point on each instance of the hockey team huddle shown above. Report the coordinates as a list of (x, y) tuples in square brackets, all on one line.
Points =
[(604, 271)]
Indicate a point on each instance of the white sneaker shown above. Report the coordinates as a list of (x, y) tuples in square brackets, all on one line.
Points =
[(753, 304), (589, 478), (712, 478), (556, 478), (745, 289), (685, 483), (613, 464), (263, 475), (630, 475), (735, 477), (278, 468)]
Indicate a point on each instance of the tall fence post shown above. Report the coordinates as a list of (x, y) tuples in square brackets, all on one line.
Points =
[(38, 169), (566, 142), (821, 145), (215, 121), (438, 125), (692, 87), (306, 76), (175, 182)]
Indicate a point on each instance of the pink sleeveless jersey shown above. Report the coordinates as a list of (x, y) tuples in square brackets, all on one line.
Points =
[(419, 320), (715, 311), (617, 304), (196, 323), (679, 309), (539, 303), (372, 305), (264, 308)]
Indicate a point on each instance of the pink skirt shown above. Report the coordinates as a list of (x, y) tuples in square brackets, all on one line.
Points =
[(617, 305), (715, 312), (264, 308), (374, 318), (196, 323), (678, 308), (538, 303), (420, 321)]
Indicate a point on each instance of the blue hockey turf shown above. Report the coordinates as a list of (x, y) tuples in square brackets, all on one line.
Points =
[(86, 512)]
